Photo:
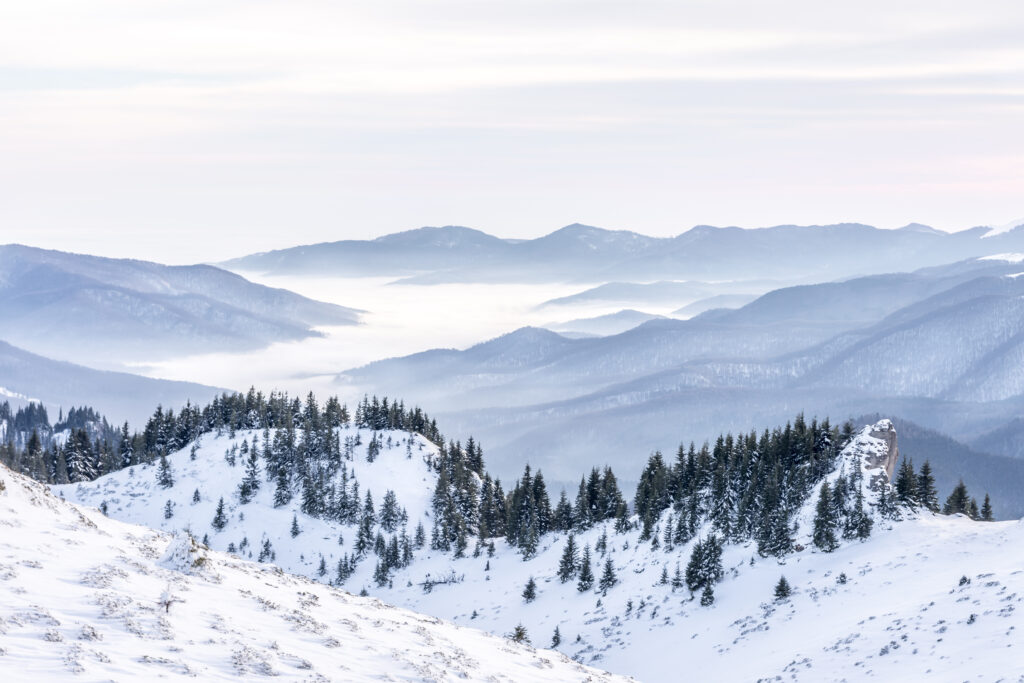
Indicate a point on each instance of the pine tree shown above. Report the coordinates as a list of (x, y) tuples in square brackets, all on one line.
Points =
[(972, 509), (519, 635), (251, 481), (586, 581), (126, 447), (322, 569), (906, 485), (168, 510), (782, 589), (266, 552), (283, 490), (164, 476), (825, 523), (958, 501), (705, 565), (220, 519), (195, 496), (556, 639), (608, 578), (295, 531), (887, 507), (530, 592), (986, 510), (677, 578), (707, 596), (926, 492), (381, 575), (570, 560)]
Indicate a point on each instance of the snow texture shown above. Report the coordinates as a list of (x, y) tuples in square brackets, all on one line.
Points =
[(83, 597)]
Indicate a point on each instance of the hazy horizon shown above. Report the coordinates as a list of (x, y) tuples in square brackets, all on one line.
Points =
[(134, 250), (199, 131)]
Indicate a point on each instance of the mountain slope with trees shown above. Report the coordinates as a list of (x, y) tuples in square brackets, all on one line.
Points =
[(366, 501)]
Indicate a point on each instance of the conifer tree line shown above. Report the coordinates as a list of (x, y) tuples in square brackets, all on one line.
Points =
[(30, 449), (748, 488), (745, 488), (30, 444)]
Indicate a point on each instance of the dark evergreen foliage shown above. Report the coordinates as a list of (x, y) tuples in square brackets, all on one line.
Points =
[(705, 565), (530, 592), (782, 589), (586, 573)]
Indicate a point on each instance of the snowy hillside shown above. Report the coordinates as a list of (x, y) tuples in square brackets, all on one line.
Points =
[(891, 606), (85, 595), (133, 495)]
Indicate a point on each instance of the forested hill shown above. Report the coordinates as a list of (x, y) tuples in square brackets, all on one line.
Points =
[(30, 444), (375, 500)]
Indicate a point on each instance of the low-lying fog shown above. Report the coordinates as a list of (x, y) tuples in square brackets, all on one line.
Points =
[(400, 320)]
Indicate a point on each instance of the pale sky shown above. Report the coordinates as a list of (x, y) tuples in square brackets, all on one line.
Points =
[(198, 130)]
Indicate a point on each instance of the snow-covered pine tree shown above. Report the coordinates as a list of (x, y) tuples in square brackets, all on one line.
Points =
[(906, 485), (926, 492), (126, 447), (220, 519), (251, 480), (986, 510), (266, 552), (569, 563), (164, 476), (530, 591), (825, 521), (782, 589), (608, 577), (586, 574), (519, 635), (958, 501), (283, 489)]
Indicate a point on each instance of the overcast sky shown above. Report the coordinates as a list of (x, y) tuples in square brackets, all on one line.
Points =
[(197, 130)]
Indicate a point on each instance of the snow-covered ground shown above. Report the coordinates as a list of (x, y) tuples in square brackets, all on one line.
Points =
[(904, 610), (83, 597)]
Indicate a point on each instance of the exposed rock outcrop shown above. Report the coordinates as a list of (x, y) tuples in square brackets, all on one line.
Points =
[(886, 459)]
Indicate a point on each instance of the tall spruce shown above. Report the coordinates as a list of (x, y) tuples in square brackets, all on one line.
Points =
[(986, 510), (927, 495), (586, 574), (220, 519), (569, 563), (608, 577), (825, 520)]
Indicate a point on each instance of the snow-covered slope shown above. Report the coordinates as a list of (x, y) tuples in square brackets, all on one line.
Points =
[(83, 597), (901, 613), (132, 494)]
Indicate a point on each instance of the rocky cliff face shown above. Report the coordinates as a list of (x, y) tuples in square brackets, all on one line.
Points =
[(884, 458)]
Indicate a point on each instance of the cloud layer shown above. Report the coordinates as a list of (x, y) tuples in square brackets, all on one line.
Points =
[(199, 130)]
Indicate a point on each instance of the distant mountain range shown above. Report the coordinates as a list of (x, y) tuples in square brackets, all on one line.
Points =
[(603, 325), (92, 308), (118, 395), (589, 254), (942, 346)]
